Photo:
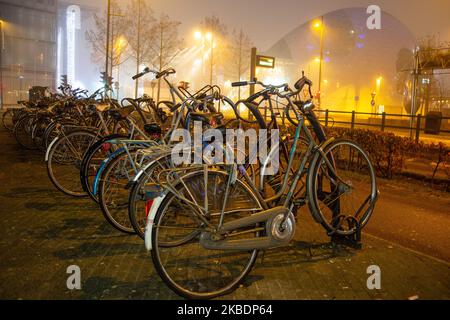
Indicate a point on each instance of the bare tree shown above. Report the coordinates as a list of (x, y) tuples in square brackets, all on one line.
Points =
[(97, 37), (139, 33), (166, 45), (218, 42), (240, 48)]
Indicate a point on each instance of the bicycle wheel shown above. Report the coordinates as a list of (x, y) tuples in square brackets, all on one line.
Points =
[(92, 161), (113, 192), (23, 134), (340, 197), (7, 120), (38, 133), (140, 199), (64, 160), (187, 267)]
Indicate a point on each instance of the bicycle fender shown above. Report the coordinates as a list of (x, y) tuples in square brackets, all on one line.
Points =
[(150, 221), (102, 167), (139, 174), (50, 147)]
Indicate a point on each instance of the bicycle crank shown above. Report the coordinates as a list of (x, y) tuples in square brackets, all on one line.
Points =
[(279, 231)]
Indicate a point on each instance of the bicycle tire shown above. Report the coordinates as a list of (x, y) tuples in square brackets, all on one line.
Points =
[(59, 144)]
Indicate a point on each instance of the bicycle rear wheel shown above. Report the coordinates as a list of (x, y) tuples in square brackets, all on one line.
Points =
[(344, 197), (187, 267), (92, 161), (113, 192), (140, 201), (7, 120), (23, 132), (38, 133), (64, 160)]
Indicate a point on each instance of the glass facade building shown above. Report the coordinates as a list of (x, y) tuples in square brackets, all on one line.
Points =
[(28, 47)]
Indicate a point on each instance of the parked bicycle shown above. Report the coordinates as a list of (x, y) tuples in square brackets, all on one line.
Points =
[(206, 227)]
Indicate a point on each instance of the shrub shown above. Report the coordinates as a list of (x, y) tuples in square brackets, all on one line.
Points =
[(389, 152)]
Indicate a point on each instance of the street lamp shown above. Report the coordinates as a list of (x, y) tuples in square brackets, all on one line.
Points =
[(318, 25), (379, 79), (198, 35)]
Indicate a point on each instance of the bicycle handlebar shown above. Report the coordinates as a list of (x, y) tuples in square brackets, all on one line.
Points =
[(157, 74), (239, 84), (140, 74), (267, 86)]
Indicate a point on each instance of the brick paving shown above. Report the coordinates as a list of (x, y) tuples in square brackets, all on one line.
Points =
[(42, 232)]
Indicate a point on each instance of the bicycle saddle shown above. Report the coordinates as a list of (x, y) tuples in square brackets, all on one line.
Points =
[(121, 114), (152, 129)]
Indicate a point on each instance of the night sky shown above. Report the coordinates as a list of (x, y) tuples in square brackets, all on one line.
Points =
[(268, 21)]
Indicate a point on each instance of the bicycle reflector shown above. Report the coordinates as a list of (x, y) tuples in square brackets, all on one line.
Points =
[(106, 147), (148, 207), (153, 129)]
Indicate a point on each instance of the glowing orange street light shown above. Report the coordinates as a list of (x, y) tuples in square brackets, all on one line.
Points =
[(318, 25), (379, 79), (209, 37), (198, 35)]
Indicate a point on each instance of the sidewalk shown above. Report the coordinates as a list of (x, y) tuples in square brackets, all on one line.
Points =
[(43, 232)]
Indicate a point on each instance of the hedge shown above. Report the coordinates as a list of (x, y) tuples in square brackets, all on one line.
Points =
[(389, 152)]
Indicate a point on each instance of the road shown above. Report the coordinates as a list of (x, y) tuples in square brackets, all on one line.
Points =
[(413, 215)]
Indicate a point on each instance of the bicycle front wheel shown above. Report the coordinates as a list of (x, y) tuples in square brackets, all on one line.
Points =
[(342, 187), (186, 266)]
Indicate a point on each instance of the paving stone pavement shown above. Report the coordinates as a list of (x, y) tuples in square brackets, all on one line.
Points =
[(43, 231)]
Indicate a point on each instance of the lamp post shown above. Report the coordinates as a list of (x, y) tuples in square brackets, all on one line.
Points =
[(108, 17), (318, 25), (138, 51), (211, 43), (1, 65)]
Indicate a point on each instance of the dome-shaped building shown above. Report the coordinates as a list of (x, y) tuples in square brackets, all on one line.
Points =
[(361, 68)]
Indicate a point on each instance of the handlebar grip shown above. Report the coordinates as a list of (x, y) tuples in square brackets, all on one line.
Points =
[(140, 74), (239, 84), (137, 76)]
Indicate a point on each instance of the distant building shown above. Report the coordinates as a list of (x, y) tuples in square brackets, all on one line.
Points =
[(358, 65), (28, 47), (42, 40)]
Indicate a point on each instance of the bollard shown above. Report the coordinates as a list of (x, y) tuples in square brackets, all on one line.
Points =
[(353, 119), (419, 118)]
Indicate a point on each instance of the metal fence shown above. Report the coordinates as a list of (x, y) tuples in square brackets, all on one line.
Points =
[(415, 124)]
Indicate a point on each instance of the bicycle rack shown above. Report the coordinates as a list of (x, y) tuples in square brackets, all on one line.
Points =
[(353, 240)]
